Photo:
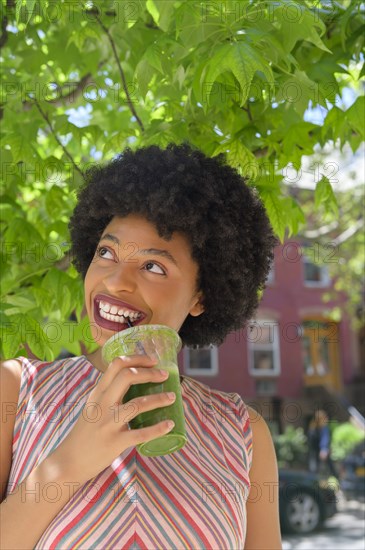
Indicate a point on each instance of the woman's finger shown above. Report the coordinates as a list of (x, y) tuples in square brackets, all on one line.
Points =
[(138, 405), (135, 437), (120, 363), (129, 376)]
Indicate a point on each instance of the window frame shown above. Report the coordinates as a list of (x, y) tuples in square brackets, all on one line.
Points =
[(325, 279), (214, 362), (274, 347)]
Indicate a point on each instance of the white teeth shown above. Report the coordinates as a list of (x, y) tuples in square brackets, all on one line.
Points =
[(112, 313), (109, 317)]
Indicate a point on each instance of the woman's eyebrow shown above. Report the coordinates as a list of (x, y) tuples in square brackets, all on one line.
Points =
[(145, 251), (158, 252), (109, 237)]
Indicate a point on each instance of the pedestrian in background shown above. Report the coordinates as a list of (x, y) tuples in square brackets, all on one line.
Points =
[(319, 443)]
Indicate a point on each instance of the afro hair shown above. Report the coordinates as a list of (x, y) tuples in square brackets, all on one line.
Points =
[(180, 189)]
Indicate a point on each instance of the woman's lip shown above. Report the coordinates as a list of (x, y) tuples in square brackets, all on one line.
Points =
[(113, 325)]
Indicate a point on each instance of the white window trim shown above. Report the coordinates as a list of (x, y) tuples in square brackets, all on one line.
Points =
[(213, 371), (275, 348), (325, 278), (271, 275)]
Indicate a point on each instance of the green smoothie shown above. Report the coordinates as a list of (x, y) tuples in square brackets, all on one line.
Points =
[(164, 343)]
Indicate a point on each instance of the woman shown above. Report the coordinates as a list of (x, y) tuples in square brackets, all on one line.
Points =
[(159, 236), (319, 444)]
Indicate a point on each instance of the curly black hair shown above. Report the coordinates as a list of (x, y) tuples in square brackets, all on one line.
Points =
[(181, 189)]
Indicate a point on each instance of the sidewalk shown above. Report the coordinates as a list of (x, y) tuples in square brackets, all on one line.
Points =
[(344, 531)]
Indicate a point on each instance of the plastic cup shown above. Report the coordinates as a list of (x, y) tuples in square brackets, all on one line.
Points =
[(164, 343)]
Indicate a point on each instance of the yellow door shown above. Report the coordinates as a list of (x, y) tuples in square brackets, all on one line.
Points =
[(320, 348)]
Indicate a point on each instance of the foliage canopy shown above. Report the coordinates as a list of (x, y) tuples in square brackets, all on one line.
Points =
[(81, 80)]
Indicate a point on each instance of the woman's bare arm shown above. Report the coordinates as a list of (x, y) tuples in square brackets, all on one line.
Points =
[(26, 513), (10, 377), (263, 527), (88, 449)]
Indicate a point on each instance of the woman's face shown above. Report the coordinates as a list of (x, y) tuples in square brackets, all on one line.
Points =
[(138, 275)]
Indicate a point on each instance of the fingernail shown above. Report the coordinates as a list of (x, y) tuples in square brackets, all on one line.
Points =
[(164, 372), (170, 424), (171, 395)]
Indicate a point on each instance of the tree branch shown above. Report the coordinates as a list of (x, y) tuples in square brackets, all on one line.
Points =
[(324, 230), (260, 152), (248, 111), (348, 233), (67, 98), (10, 5), (121, 72), (4, 32), (67, 153)]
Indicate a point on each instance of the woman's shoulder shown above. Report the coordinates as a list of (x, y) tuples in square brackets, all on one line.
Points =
[(10, 376), (28, 369), (39, 364)]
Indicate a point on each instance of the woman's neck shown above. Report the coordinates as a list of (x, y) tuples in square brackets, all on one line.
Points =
[(96, 360)]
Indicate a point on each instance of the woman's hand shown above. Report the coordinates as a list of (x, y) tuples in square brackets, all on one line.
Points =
[(103, 434)]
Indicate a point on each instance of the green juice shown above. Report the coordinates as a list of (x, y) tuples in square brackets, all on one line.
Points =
[(164, 343), (176, 438)]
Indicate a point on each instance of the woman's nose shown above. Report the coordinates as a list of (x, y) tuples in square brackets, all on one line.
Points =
[(121, 278)]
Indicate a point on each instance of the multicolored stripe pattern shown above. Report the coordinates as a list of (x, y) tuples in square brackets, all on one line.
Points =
[(193, 499)]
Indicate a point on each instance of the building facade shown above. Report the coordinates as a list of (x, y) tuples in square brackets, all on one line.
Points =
[(295, 356)]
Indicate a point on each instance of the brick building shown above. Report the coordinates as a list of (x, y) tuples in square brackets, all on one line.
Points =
[(295, 357)]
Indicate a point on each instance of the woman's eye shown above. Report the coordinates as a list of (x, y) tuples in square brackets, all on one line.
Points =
[(154, 268), (103, 252)]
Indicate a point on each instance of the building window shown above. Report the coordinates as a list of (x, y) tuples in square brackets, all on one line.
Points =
[(263, 348), (315, 274), (319, 347), (202, 361), (271, 276)]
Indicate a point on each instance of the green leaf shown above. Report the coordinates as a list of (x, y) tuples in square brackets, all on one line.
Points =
[(21, 303), (166, 11), (54, 198), (34, 335), (20, 147), (356, 116), (276, 212), (26, 241), (161, 12), (299, 23), (153, 56), (30, 7), (239, 157), (151, 7), (18, 7), (10, 335), (60, 287), (242, 60), (144, 75), (296, 217), (324, 196), (66, 304)]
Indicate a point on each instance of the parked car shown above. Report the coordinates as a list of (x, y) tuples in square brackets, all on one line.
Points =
[(305, 501), (352, 472)]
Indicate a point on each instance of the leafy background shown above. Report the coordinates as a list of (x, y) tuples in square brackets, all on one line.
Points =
[(82, 80)]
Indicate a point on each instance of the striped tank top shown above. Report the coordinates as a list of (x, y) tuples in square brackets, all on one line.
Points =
[(193, 499)]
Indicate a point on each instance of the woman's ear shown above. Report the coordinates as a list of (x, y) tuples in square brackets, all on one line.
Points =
[(197, 307)]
